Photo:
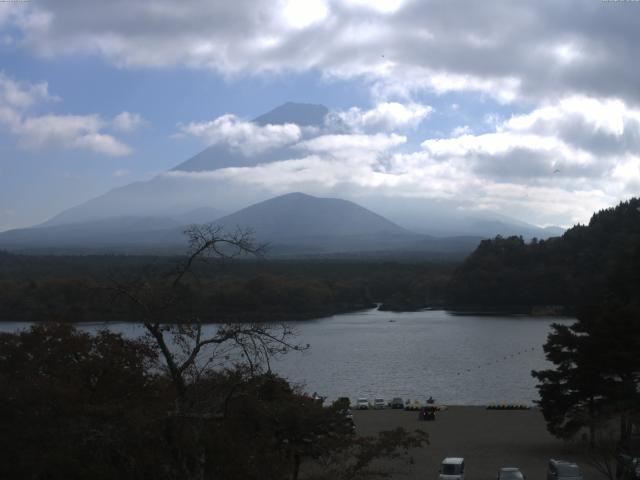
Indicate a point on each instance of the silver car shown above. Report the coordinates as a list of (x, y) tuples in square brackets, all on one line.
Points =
[(510, 473), (563, 470)]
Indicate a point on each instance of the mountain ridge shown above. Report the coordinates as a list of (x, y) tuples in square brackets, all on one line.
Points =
[(185, 188)]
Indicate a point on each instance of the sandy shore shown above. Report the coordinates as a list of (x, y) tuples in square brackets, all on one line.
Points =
[(487, 439)]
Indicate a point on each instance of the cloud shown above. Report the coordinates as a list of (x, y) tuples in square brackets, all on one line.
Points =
[(338, 144), (40, 131), (530, 166), (304, 13), (461, 130), (20, 96), (127, 122), (386, 116), (577, 136), (246, 137), (513, 51)]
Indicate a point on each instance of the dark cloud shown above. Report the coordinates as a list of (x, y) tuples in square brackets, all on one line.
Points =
[(539, 50)]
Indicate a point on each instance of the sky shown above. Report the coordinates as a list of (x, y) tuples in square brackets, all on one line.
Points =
[(529, 109)]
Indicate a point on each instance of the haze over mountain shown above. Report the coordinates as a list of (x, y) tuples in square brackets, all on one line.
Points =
[(292, 225), (199, 190)]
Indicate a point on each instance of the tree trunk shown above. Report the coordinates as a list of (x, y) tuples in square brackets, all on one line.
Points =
[(296, 466)]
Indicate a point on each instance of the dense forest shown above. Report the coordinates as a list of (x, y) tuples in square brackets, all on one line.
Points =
[(81, 288), (587, 263), (503, 274)]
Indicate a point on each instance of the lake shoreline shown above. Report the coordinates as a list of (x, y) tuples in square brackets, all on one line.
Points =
[(280, 317)]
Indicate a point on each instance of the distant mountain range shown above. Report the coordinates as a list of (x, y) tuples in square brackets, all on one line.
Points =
[(291, 225), (133, 215)]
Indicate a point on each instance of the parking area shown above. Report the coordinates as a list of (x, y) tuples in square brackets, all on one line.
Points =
[(487, 439)]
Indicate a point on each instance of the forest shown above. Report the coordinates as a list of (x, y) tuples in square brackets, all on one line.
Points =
[(551, 276), (587, 263), (81, 288)]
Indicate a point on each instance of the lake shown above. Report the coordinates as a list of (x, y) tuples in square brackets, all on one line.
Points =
[(459, 360)]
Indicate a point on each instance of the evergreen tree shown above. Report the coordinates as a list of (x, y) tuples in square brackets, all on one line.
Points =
[(597, 371)]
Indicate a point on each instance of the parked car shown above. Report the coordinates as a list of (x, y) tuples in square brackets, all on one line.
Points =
[(362, 404), (427, 413), (563, 470), (452, 468), (397, 403), (510, 473), (378, 403), (343, 402)]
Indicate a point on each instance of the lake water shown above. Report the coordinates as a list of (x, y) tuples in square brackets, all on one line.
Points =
[(459, 360)]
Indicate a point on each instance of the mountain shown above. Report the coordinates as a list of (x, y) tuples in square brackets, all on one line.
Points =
[(292, 225), (222, 156), (176, 193), (444, 218), (198, 215), (297, 216), (138, 232), (302, 114), (200, 185)]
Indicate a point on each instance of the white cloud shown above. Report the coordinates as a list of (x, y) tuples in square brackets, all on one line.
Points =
[(39, 131), (101, 143), (128, 122), (303, 13), (338, 144), (14, 94), (530, 166), (387, 116), (575, 138), (382, 6), (247, 137), (607, 116), (461, 130)]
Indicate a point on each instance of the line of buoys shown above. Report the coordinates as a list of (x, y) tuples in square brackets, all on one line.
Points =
[(508, 406), (497, 361)]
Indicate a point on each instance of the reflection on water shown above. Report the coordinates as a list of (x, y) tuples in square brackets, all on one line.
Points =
[(464, 360)]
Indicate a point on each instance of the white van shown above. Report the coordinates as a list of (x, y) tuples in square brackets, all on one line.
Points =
[(452, 468)]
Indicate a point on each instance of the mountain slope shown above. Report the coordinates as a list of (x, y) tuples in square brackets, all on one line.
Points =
[(293, 225), (302, 114), (141, 232), (199, 183), (222, 156), (296, 215)]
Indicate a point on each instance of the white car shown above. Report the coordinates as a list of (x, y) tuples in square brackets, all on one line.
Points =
[(452, 468), (362, 404), (378, 403), (510, 473)]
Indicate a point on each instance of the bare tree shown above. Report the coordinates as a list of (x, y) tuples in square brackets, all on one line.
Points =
[(601, 452), (187, 346), (190, 349)]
